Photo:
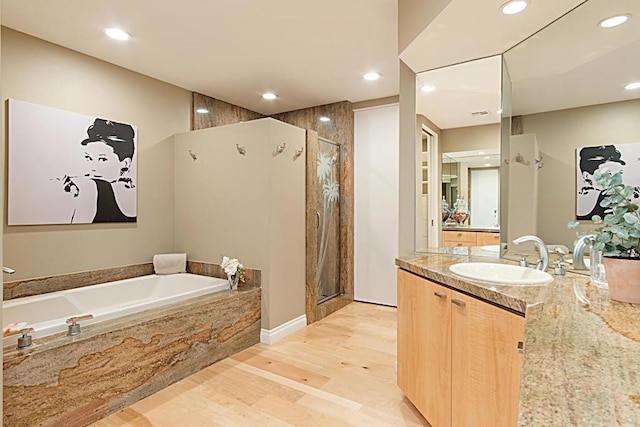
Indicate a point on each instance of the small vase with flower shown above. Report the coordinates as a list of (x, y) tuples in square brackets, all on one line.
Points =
[(234, 270)]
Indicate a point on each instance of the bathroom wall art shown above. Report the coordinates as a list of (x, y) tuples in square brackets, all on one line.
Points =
[(68, 168), (623, 158)]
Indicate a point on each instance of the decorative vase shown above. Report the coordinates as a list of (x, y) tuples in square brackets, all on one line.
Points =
[(233, 281), (623, 277), (461, 212)]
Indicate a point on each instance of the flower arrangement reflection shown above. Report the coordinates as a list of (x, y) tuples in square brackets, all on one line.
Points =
[(234, 270)]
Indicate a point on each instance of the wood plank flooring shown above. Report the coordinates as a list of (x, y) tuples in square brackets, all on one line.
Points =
[(339, 371)]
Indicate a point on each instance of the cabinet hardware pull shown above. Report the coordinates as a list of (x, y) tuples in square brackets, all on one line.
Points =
[(440, 294), (520, 347), (458, 302)]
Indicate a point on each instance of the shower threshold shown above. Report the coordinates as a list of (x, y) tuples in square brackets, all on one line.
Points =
[(328, 297)]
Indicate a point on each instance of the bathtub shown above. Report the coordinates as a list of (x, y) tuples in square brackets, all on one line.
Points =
[(47, 313)]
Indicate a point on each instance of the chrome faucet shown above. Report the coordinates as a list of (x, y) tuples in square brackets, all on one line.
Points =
[(578, 251), (543, 261), (8, 270)]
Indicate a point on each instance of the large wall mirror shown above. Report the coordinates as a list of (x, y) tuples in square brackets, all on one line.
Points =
[(458, 179), (568, 92)]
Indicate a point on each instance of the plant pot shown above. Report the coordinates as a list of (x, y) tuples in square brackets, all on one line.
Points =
[(623, 276)]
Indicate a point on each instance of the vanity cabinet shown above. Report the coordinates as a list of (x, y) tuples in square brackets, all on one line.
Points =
[(459, 238), (458, 358), (454, 238), (485, 239)]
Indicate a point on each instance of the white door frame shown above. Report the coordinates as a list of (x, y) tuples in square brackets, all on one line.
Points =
[(434, 208)]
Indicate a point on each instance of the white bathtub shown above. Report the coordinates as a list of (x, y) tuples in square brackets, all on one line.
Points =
[(47, 313)]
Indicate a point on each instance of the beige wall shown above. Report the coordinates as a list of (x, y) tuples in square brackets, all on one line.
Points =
[(558, 134), (374, 103), (523, 196), (414, 16), (407, 161), (248, 207), (470, 138), (43, 73)]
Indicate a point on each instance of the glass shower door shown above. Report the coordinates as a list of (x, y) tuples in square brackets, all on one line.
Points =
[(328, 220)]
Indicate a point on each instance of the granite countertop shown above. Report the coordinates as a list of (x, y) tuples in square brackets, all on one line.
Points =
[(581, 362), (485, 228)]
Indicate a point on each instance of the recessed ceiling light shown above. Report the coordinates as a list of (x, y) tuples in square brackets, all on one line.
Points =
[(513, 7), (371, 76), (427, 88), (202, 111), (325, 119), (632, 86), (499, 111), (487, 164), (480, 153), (487, 157), (117, 34), (270, 96), (614, 21)]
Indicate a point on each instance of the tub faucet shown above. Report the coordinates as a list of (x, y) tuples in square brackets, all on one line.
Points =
[(543, 261), (8, 270), (578, 251), (74, 326)]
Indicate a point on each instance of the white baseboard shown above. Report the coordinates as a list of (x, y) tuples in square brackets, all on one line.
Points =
[(271, 336)]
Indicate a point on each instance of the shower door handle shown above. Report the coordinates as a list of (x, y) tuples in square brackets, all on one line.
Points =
[(317, 219)]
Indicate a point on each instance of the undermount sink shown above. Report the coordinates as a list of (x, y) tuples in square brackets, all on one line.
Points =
[(501, 273)]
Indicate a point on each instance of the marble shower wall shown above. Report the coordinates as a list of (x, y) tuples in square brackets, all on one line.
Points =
[(339, 129), (220, 113)]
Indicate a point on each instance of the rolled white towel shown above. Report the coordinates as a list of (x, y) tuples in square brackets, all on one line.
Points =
[(170, 263)]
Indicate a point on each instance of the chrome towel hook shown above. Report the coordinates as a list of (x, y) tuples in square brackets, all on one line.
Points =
[(193, 155), (280, 149), (241, 150), (298, 153)]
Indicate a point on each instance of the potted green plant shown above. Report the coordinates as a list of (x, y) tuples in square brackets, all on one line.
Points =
[(618, 236)]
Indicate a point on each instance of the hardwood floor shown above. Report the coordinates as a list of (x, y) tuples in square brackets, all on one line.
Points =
[(339, 371)]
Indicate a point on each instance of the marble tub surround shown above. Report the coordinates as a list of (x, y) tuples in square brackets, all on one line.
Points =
[(61, 282), (74, 381), (581, 350)]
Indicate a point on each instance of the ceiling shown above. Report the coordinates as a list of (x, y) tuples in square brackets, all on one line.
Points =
[(573, 62), (460, 91), (308, 53), (570, 63), (473, 29), (314, 53)]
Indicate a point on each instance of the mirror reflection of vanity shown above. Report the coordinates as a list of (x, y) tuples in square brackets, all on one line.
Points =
[(562, 89), (459, 113), (568, 91)]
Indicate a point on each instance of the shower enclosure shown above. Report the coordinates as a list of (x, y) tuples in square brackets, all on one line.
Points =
[(328, 221)]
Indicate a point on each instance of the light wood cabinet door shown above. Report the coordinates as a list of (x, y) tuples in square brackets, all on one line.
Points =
[(424, 346), (485, 367), (488, 238)]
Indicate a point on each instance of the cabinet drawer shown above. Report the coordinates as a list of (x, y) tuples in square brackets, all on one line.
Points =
[(488, 239), (460, 237)]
